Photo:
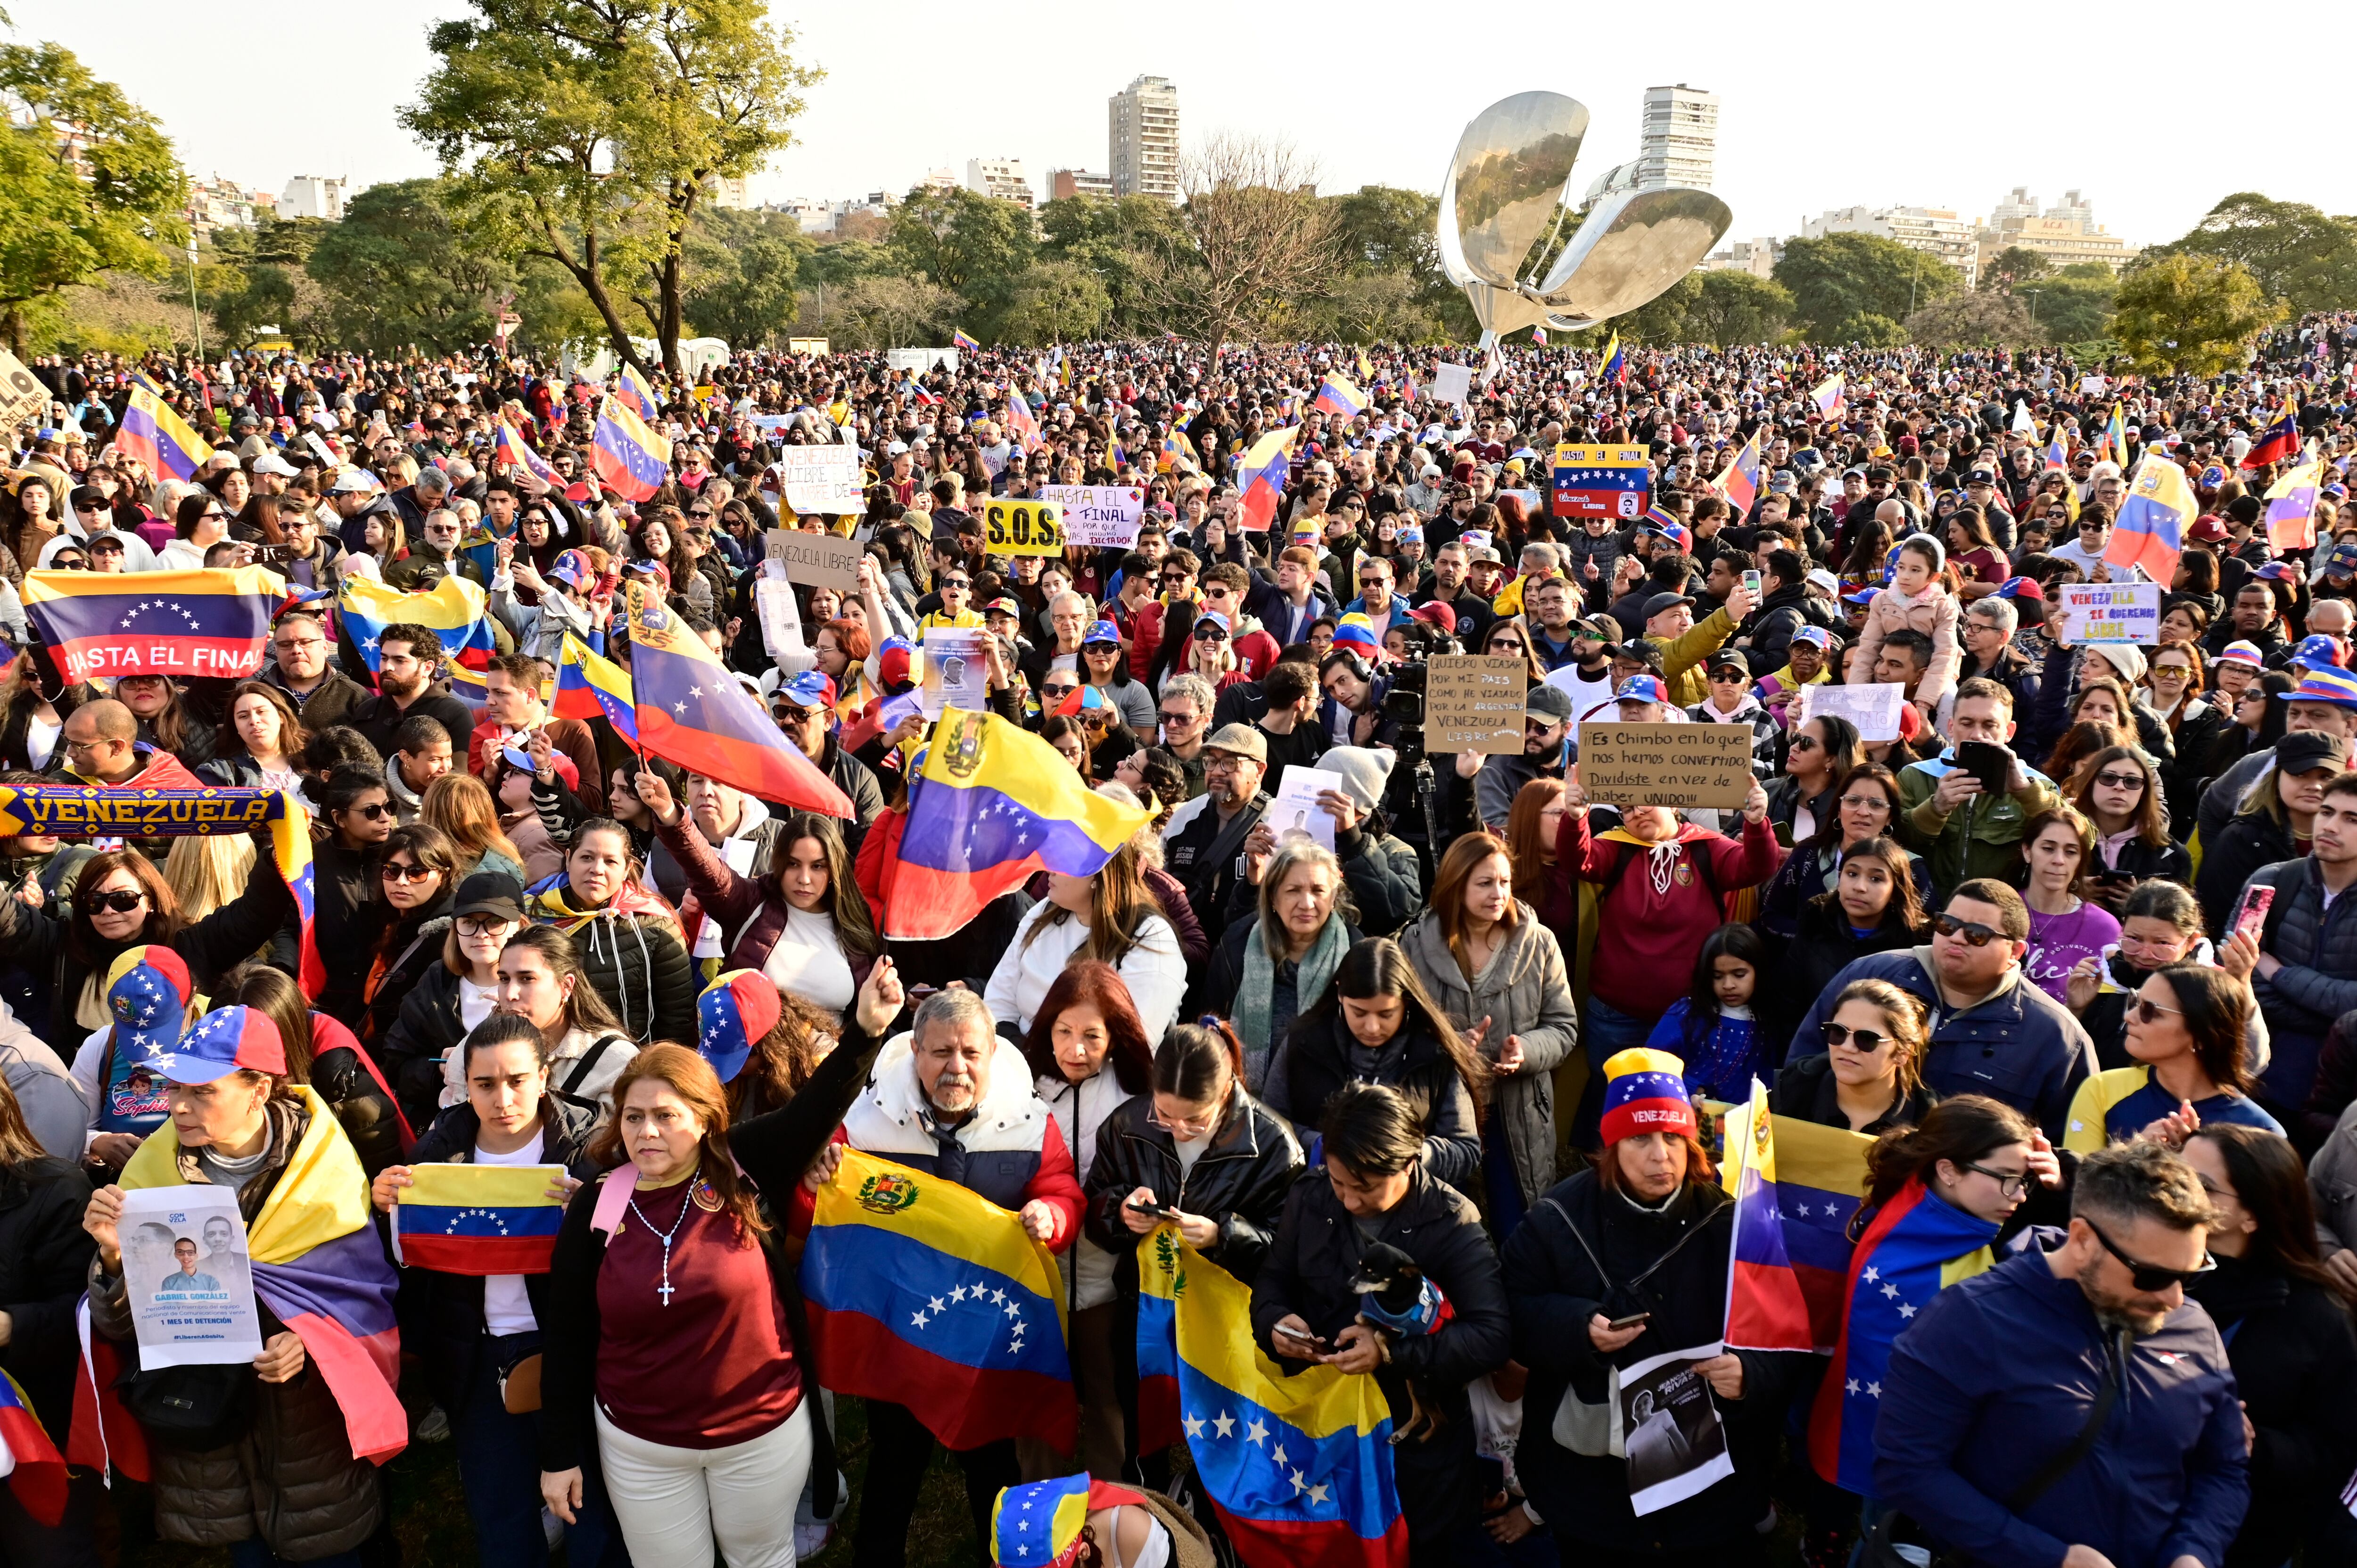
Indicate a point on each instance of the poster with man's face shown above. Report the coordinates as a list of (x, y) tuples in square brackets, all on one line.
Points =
[(189, 1278), (1670, 1430)]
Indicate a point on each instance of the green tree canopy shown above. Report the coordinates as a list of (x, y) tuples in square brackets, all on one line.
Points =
[(1736, 307), (2192, 314), (1842, 278), (2299, 254), (955, 238), (397, 271)]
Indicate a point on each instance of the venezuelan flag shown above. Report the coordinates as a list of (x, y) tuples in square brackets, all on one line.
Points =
[(1263, 476), (319, 1266), (1820, 1178), (1337, 396), (1177, 452), (2291, 507), (156, 434), (181, 624), (987, 812), (478, 1220), (35, 1470), (1740, 484), (693, 711), (1298, 1467), (2058, 451), (2150, 529), (1366, 372), (1616, 364), (2277, 442), (2115, 437), (454, 609), (959, 340), (590, 687), (517, 453), (1828, 395), (1020, 424), (924, 1293), (1917, 1245), (634, 392), (628, 455), (1765, 1308)]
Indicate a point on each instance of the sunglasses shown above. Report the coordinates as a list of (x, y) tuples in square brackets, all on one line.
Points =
[(64, 563), (1213, 635), (1803, 743), (119, 902), (89, 506), (956, 582), (2152, 1011), (2120, 780), (1510, 644), (702, 516), (373, 812), (2149, 1277), (1057, 691), (1171, 718), (1973, 931), (1867, 1040), (395, 871)]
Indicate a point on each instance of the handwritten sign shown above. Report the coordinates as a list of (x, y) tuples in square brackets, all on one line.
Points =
[(1453, 383), (821, 560), (1472, 703), (821, 478), (1874, 709), (22, 396), (1101, 517), (1689, 766), (2110, 612), (1023, 527)]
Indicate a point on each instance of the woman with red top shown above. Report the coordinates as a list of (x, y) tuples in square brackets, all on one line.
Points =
[(672, 1327)]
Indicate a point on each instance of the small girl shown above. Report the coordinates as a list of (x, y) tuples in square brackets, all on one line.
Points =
[(1712, 1027), (1917, 597)]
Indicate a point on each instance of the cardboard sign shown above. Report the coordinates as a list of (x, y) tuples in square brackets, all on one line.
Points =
[(23, 399), (822, 479), (2109, 612), (1873, 709), (1474, 703), (1689, 766), (821, 560), (808, 346), (1101, 517), (1023, 527)]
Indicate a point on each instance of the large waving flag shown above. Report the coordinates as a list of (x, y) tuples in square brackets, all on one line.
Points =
[(320, 1268), (478, 1220), (2291, 506), (1917, 1245), (590, 687), (2277, 442), (1338, 396), (2150, 529), (926, 1293), (988, 811), (1820, 1179), (454, 609), (35, 1470), (156, 434), (1300, 1467), (691, 710), (1616, 364), (1765, 1307), (180, 624), (1829, 395), (1740, 484), (1261, 479), (630, 457), (516, 453), (632, 389)]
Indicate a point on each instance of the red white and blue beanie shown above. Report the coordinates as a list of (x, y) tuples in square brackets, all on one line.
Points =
[(1645, 1092)]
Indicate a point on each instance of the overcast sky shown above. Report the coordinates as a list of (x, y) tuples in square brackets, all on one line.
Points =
[(1858, 103)]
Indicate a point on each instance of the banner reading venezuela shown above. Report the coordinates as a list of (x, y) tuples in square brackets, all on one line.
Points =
[(1601, 481), (478, 1219), (1300, 1468), (183, 624), (924, 1292)]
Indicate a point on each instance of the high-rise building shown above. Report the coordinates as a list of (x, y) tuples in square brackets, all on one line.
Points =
[(2066, 234), (1063, 184), (1759, 257), (313, 196), (734, 192), (1001, 179), (1934, 231), (218, 203), (1142, 138), (1679, 141)]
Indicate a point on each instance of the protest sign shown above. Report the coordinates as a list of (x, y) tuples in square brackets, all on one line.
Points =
[(1024, 528), (1874, 709), (2109, 612), (821, 560), (1690, 765), (1670, 1429), (1472, 703), (1601, 481), (822, 479), (22, 397), (1101, 517), (1453, 383), (186, 1277), (956, 673), (1296, 809), (781, 623), (808, 346)]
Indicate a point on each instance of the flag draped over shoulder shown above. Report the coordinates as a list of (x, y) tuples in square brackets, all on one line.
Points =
[(320, 1270), (924, 1293), (590, 687), (1300, 1467), (478, 1220), (987, 812), (35, 1470), (209, 623), (1765, 1307), (454, 609), (154, 432)]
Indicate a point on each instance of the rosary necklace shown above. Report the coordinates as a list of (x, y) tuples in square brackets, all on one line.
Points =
[(687, 1201)]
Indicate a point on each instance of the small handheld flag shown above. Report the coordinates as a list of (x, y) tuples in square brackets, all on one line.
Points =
[(590, 687), (2278, 442), (1263, 476), (478, 1219), (1616, 364), (962, 340), (2150, 530), (154, 432)]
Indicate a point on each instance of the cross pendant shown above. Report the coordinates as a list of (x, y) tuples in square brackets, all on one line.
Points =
[(665, 1290)]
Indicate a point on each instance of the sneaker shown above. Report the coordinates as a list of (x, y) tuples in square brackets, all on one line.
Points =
[(433, 1426)]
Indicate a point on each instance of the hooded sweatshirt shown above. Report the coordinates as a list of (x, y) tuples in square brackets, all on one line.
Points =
[(1656, 903)]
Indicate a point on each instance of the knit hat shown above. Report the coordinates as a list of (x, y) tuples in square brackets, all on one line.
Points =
[(1364, 772), (1355, 632), (228, 1040), (2122, 657), (2241, 652), (1645, 1092), (734, 1011)]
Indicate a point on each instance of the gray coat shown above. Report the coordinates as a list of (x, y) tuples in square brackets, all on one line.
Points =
[(1526, 991), (2332, 1180)]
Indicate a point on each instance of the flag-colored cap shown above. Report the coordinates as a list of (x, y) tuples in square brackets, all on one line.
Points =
[(1814, 636), (1645, 1092), (2020, 589), (1038, 1525), (2329, 684), (1212, 617), (734, 1011), (1641, 689), (1101, 631), (2317, 651), (147, 991), (228, 1040), (1355, 630), (574, 569), (810, 689), (2240, 652), (2277, 572), (1084, 698), (893, 658)]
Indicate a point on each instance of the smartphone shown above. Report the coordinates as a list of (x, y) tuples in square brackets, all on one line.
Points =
[(1988, 763), (1631, 1321), (2251, 915), (1158, 1210), (2104, 983), (269, 554), (1315, 1339), (917, 993), (1751, 581)]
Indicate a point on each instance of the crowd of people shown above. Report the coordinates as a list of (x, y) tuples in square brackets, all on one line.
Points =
[(2060, 946)]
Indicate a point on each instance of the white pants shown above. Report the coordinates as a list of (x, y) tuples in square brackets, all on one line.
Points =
[(673, 1502)]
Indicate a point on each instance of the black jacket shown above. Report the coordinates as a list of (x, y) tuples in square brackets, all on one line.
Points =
[(1823, 947), (2293, 1351), (1805, 1092), (380, 716), (44, 1260), (639, 967), (345, 918), (1240, 1182), (427, 1025), (1317, 1059), (407, 951), (1584, 1251), (2252, 839)]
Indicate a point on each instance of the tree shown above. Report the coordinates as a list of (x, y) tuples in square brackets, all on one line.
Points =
[(1380, 306), (396, 271), (1976, 320), (2074, 306), (587, 133), (87, 183), (1869, 329), (1132, 245), (1841, 277), (2298, 254), (883, 312), (958, 238), (2011, 267), (1050, 301), (2189, 315), (1263, 243), (1736, 308), (747, 269), (259, 277), (1662, 318)]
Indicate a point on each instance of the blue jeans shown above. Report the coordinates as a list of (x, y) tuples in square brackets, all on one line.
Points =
[(499, 1467), (1607, 1030)]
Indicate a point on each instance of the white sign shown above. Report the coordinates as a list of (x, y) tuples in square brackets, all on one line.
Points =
[(1669, 1427), (917, 361), (781, 622), (956, 676), (1873, 709), (823, 480), (1453, 383), (2109, 612), (1296, 809), (1101, 517), (186, 1277)]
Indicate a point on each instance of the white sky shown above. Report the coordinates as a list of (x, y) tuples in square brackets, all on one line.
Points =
[(1824, 105)]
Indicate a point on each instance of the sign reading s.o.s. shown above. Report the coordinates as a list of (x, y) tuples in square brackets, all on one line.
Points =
[(1023, 527)]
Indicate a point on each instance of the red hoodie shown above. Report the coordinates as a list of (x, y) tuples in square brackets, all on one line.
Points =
[(1655, 906)]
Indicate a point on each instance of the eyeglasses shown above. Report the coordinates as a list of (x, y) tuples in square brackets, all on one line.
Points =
[(1866, 1039), (2120, 780), (402, 871), (1973, 931), (2150, 1011), (2151, 1278), (2010, 1184), (119, 901), (372, 810), (1186, 1129), (480, 925)]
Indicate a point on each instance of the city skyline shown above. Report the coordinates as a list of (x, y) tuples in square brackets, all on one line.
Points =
[(1805, 126)]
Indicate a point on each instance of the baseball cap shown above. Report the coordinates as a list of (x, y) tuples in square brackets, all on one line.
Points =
[(1823, 581), (1814, 636), (1863, 597), (1435, 613), (1726, 658), (272, 462), (231, 1039), (1660, 603), (2020, 589), (734, 1011), (1641, 689), (1781, 481), (2277, 572), (559, 764), (491, 893), (2315, 650), (1357, 632), (1213, 618), (1547, 705), (353, 482), (1239, 740), (574, 569), (2303, 751), (2206, 529), (1101, 631), (810, 689), (1003, 605)]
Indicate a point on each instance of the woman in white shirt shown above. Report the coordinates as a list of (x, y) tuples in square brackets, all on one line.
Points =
[(1112, 917)]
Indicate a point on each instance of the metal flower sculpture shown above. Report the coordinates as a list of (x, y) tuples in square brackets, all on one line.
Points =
[(1527, 254)]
